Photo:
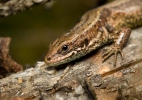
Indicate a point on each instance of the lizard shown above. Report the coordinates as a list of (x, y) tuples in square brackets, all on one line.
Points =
[(110, 23)]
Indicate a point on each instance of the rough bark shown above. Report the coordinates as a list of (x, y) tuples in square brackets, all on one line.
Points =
[(8, 7), (86, 79)]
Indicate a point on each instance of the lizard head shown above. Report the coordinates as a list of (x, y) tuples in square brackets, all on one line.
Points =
[(61, 51), (73, 44)]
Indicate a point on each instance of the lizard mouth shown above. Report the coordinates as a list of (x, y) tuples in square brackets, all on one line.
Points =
[(62, 59), (58, 59)]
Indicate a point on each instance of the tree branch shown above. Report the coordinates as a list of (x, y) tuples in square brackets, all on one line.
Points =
[(7, 64), (8, 7)]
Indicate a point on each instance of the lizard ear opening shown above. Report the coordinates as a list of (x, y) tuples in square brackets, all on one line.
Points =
[(86, 42)]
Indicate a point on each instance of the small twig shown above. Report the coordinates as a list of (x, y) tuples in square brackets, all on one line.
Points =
[(8, 7)]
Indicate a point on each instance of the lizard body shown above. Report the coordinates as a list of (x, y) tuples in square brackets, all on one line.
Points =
[(97, 27)]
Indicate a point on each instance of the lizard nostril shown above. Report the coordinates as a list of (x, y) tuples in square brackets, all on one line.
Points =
[(48, 58)]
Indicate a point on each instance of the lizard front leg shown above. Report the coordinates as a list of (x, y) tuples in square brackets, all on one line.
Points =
[(120, 38)]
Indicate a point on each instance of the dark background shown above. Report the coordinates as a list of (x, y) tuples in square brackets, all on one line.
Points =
[(33, 30)]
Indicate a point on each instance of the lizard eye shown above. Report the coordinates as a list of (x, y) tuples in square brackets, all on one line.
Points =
[(65, 47)]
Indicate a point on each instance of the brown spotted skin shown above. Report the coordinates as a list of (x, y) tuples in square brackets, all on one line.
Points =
[(100, 26)]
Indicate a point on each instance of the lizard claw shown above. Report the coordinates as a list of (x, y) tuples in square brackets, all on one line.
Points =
[(119, 42), (110, 51)]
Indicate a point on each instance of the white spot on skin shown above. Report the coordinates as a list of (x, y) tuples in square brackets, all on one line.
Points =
[(120, 38)]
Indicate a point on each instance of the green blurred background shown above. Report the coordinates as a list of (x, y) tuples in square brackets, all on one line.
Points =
[(33, 30)]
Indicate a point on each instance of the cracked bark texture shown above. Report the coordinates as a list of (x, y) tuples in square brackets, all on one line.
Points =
[(87, 78), (8, 7)]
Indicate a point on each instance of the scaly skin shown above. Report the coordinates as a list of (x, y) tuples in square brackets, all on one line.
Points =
[(100, 26)]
